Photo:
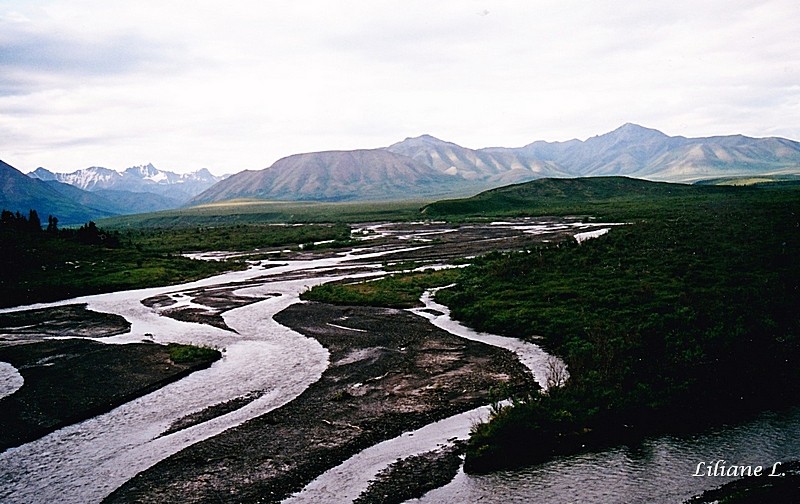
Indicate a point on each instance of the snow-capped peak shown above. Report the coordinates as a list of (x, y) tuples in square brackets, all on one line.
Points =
[(141, 178)]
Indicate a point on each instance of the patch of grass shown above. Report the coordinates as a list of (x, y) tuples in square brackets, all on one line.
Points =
[(182, 354), (393, 291), (233, 237), (264, 212)]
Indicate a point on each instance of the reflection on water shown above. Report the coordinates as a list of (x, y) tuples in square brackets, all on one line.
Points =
[(658, 470)]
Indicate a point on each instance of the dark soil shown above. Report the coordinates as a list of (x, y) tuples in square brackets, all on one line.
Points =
[(215, 301), (70, 380), (391, 372), (412, 477), (212, 412), (67, 320)]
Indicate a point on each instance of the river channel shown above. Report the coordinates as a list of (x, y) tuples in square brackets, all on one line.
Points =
[(87, 461)]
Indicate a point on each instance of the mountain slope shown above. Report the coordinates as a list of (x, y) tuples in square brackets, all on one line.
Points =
[(485, 165), (333, 176), (635, 151), (19, 192), (425, 165)]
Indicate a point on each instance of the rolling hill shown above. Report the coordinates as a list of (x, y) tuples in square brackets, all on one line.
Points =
[(563, 196)]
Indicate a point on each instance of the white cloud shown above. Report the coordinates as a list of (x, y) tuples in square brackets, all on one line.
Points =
[(193, 84)]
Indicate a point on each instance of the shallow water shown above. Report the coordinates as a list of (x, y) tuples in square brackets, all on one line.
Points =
[(10, 379), (658, 470), (346, 481), (87, 461)]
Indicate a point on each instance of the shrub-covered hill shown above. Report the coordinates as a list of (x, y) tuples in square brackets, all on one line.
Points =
[(686, 316), (600, 196)]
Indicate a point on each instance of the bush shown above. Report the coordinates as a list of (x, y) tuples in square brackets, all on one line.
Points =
[(182, 354)]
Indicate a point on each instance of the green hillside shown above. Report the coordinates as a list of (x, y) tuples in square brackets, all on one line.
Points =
[(607, 197), (242, 212)]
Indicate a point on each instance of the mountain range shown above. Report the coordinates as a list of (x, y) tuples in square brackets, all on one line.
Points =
[(177, 188), (419, 167), (97, 192), (426, 166)]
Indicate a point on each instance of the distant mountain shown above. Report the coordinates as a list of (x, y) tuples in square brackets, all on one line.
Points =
[(635, 151), (427, 166), (71, 205), (127, 202), (137, 179), (334, 176), (488, 166)]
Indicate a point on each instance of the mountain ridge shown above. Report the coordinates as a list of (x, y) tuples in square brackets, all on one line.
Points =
[(330, 176), (71, 205), (629, 150), (136, 179), (428, 167)]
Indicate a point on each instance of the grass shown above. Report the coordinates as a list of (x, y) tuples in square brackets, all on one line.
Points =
[(653, 319), (268, 212), (43, 266), (233, 237), (184, 354), (394, 291)]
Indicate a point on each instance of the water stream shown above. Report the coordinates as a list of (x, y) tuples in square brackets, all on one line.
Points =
[(10, 379), (657, 470), (346, 481), (87, 461)]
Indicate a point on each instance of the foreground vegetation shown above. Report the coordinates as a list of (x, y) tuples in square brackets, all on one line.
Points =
[(685, 317), (182, 354), (394, 291), (234, 237)]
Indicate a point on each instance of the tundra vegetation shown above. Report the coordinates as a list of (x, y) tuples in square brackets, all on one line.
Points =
[(39, 263), (684, 317)]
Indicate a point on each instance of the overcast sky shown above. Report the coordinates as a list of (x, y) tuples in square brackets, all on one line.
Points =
[(237, 85)]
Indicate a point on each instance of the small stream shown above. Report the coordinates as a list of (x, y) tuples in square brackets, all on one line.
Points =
[(346, 481), (85, 462)]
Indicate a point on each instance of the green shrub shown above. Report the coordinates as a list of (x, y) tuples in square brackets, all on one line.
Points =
[(181, 354)]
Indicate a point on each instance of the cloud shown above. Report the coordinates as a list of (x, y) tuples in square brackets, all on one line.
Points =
[(190, 84), (34, 58)]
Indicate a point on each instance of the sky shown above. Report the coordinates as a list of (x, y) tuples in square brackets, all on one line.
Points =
[(237, 85)]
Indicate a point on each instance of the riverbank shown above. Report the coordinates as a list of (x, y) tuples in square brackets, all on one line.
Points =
[(69, 380), (390, 371)]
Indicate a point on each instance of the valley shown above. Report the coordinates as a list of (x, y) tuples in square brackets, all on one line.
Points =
[(336, 361), (418, 168)]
